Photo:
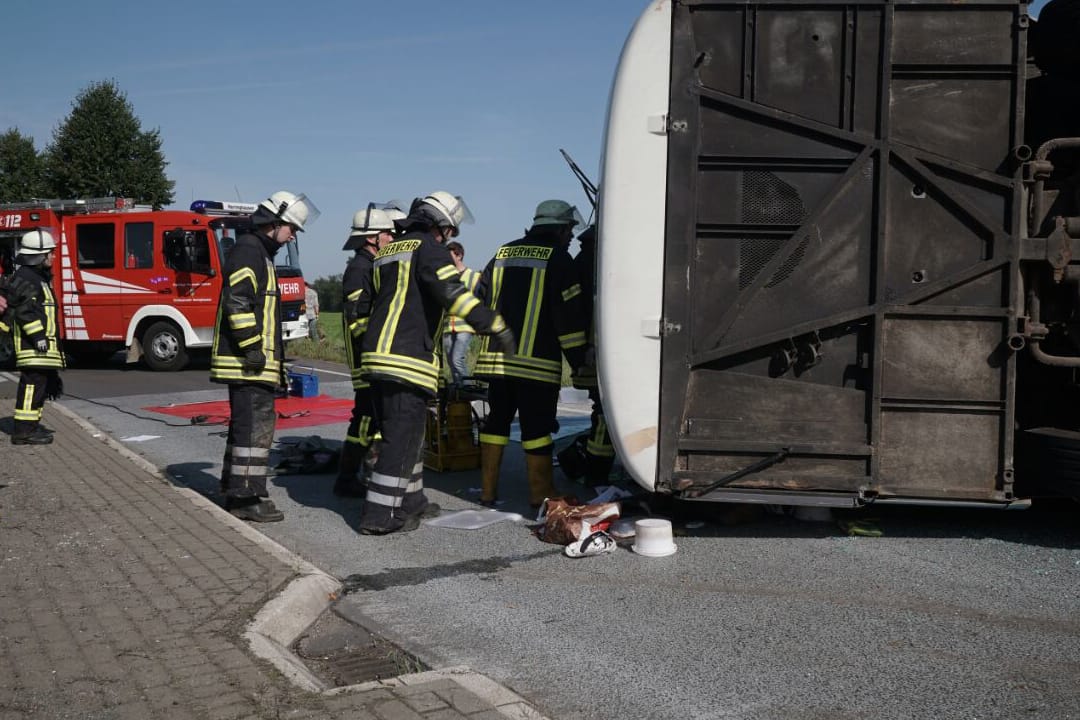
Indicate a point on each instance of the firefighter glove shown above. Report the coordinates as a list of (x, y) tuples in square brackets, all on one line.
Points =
[(42, 345), (254, 361), (504, 341)]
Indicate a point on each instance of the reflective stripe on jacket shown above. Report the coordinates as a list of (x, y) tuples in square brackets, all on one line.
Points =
[(249, 315)]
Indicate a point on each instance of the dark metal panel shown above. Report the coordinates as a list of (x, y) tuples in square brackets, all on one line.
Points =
[(718, 44), (953, 37), (940, 454), (936, 358), (799, 61)]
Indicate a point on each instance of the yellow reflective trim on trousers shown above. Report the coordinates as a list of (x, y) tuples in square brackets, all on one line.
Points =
[(29, 358), (243, 274), (446, 272), (571, 292), (494, 439), (527, 343), (536, 443), (463, 305), (572, 340), (24, 409), (397, 306)]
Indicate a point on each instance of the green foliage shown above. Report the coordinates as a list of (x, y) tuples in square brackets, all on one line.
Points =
[(329, 289), (100, 150), (20, 168), (331, 348)]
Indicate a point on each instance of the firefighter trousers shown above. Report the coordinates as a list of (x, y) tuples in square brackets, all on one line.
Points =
[(396, 488), (30, 399), (362, 423), (599, 452), (535, 404), (251, 433)]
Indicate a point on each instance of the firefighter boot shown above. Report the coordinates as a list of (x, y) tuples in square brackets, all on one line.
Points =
[(348, 483), (541, 485), (490, 460), (30, 434)]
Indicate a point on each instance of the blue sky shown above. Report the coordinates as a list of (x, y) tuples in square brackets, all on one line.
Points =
[(345, 101)]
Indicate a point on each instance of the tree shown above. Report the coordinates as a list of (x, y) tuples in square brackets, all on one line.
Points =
[(329, 289), (20, 168), (100, 150)]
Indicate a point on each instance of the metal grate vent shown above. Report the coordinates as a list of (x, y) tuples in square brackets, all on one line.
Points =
[(753, 255), (788, 266), (768, 200)]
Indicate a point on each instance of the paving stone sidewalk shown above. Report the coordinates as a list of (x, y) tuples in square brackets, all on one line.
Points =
[(124, 597)]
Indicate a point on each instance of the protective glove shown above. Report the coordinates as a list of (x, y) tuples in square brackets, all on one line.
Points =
[(504, 341), (42, 345), (254, 361)]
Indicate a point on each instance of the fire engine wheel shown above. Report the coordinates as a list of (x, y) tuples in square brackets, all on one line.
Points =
[(163, 347)]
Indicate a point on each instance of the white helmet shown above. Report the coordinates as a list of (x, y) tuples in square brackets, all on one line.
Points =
[(394, 209), (449, 210), (34, 247), (288, 207), (367, 224), (36, 242)]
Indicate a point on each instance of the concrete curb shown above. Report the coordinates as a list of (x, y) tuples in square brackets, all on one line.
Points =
[(279, 623)]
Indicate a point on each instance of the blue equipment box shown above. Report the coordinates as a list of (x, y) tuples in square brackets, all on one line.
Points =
[(303, 384)]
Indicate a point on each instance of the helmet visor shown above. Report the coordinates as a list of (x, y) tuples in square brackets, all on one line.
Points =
[(300, 212), (461, 214)]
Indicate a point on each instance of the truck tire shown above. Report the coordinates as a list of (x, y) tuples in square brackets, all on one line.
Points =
[(163, 347)]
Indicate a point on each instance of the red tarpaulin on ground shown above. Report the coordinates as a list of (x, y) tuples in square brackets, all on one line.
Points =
[(293, 412)]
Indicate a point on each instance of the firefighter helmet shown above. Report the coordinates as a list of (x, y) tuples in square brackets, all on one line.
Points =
[(446, 211), (34, 246), (367, 224), (557, 212), (287, 207), (394, 209)]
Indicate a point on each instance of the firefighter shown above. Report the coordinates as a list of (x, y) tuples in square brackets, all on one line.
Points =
[(457, 335), (372, 229), (247, 352), (415, 283), (532, 282), (599, 452), (36, 336)]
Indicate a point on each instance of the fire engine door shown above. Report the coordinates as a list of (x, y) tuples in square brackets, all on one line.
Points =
[(93, 310), (190, 270)]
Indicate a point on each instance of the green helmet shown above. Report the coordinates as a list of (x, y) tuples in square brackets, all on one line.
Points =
[(557, 212)]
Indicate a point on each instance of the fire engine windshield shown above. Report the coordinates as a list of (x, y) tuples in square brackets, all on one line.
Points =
[(227, 229)]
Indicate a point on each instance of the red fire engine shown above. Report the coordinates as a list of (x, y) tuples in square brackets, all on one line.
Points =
[(148, 281)]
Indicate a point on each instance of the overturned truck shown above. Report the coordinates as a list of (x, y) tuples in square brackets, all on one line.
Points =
[(839, 256)]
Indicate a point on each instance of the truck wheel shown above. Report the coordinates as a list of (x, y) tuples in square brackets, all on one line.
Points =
[(163, 347)]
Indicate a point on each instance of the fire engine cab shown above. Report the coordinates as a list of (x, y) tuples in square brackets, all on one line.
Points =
[(135, 278)]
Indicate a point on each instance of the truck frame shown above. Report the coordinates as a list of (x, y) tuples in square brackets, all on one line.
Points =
[(831, 269)]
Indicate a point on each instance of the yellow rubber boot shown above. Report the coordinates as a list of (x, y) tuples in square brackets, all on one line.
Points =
[(490, 460), (541, 478)]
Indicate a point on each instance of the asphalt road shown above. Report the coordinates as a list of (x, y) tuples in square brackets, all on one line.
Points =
[(950, 614)]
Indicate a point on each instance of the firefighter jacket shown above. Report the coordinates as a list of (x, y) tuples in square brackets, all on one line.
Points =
[(415, 283), (249, 315), (358, 289), (533, 284), (35, 318), (470, 278)]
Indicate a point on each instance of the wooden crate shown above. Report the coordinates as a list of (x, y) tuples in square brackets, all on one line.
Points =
[(451, 437)]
